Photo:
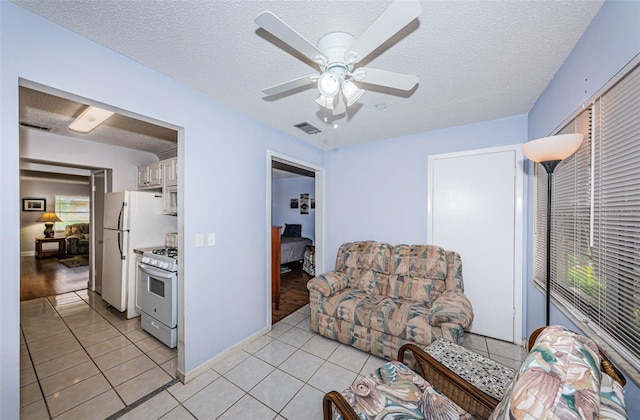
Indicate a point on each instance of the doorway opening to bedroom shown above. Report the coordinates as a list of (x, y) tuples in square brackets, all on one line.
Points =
[(294, 240)]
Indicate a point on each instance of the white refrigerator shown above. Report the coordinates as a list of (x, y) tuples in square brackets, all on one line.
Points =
[(132, 219)]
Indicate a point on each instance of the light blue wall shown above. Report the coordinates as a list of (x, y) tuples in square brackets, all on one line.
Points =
[(219, 283), (281, 212), (611, 41), (378, 190)]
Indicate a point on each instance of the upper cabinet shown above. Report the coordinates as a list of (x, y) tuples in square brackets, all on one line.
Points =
[(161, 175), (150, 176), (158, 174), (170, 172)]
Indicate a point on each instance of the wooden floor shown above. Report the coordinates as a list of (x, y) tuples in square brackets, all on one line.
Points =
[(293, 292), (47, 277)]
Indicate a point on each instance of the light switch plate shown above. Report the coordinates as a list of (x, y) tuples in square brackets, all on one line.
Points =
[(211, 239), (199, 239)]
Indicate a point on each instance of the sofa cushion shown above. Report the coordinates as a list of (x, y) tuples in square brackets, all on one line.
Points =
[(560, 378), (367, 264), (403, 319), (77, 229), (612, 405), (395, 391), (418, 273), (352, 305)]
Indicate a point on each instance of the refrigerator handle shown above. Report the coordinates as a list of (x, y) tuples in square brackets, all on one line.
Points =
[(122, 256), (120, 216)]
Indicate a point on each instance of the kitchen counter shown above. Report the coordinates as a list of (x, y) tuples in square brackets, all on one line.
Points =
[(141, 251)]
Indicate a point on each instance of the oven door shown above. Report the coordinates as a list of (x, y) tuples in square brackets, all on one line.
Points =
[(158, 294)]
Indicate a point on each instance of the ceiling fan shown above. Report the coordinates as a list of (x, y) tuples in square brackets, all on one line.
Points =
[(338, 53)]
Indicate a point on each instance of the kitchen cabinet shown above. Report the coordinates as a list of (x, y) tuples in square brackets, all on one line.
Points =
[(162, 174), (150, 176), (170, 172)]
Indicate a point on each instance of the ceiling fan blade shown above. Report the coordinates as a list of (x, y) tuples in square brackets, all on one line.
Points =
[(291, 84), (276, 27), (394, 18), (386, 78)]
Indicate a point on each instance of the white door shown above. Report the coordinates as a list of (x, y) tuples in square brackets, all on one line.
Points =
[(475, 209)]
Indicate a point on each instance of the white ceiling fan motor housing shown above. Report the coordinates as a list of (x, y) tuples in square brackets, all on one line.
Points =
[(334, 45)]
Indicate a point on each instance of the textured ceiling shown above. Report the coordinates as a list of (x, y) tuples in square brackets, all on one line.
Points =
[(54, 114), (477, 60)]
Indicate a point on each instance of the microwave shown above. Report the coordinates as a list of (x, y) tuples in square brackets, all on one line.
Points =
[(170, 196)]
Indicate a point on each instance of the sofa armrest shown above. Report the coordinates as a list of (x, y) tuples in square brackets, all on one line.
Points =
[(328, 283), (453, 307)]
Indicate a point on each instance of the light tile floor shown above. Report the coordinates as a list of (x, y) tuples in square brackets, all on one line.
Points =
[(81, 360)]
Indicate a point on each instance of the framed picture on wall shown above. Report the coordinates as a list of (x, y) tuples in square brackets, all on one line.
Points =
[(34, 204), (294, 203), (304, 203), (313, 203)]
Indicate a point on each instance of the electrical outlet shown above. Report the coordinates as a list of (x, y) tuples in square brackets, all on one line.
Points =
[(199, 239), (211, 239)]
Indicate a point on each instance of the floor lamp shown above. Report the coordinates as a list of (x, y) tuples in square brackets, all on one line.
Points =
[(549, 151)]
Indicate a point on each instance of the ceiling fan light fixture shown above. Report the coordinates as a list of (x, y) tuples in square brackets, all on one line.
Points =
[(329, 84), (351, 92), (90, 119), (326, 101)]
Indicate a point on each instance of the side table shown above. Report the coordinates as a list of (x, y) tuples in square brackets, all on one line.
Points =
[(485, 374), (59, 252)]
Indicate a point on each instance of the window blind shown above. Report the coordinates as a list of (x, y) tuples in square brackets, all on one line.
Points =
[(595, 220), (72, 209)]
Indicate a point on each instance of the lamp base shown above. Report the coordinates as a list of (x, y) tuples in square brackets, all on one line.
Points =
[(48, 230)]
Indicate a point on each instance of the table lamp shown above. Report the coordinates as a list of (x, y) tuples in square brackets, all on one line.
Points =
[(49, 219)]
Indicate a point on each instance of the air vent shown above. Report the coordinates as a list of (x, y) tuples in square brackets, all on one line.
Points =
[(307, 128), (37, 127)]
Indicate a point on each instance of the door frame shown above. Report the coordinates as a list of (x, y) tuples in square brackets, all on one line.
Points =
[(319, 216), (518, 243), (93, 256)]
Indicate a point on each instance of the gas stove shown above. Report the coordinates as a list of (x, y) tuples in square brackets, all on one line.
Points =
[(162, 258)]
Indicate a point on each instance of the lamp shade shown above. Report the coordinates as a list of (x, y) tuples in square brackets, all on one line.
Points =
[(49, 218), (351, 92), (326, 101), (329, 84), (552, 148)]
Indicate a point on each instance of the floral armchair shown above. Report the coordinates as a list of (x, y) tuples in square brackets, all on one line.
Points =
[(77, 238), (565, 376)]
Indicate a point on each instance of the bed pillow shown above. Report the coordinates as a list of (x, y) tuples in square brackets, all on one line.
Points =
[(292, 231)]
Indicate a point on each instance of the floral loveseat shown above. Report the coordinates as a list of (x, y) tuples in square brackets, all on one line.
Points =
[(381, 296), (563, 377), (76, 239)]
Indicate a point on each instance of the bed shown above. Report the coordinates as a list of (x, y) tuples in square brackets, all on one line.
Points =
[(292, 244)]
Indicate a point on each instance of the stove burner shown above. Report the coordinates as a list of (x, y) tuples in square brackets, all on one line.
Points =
[(169, 252)]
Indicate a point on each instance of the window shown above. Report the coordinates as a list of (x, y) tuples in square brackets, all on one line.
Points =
[(72, 209), (595, 222)]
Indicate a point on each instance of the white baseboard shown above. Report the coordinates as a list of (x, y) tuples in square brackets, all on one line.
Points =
[(193, 373), (28, 254)]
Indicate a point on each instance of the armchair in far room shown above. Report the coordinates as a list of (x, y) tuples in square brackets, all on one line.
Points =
[(76, 239)]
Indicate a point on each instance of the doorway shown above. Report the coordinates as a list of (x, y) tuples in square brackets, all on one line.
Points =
[(295, 197), (64, 333)]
